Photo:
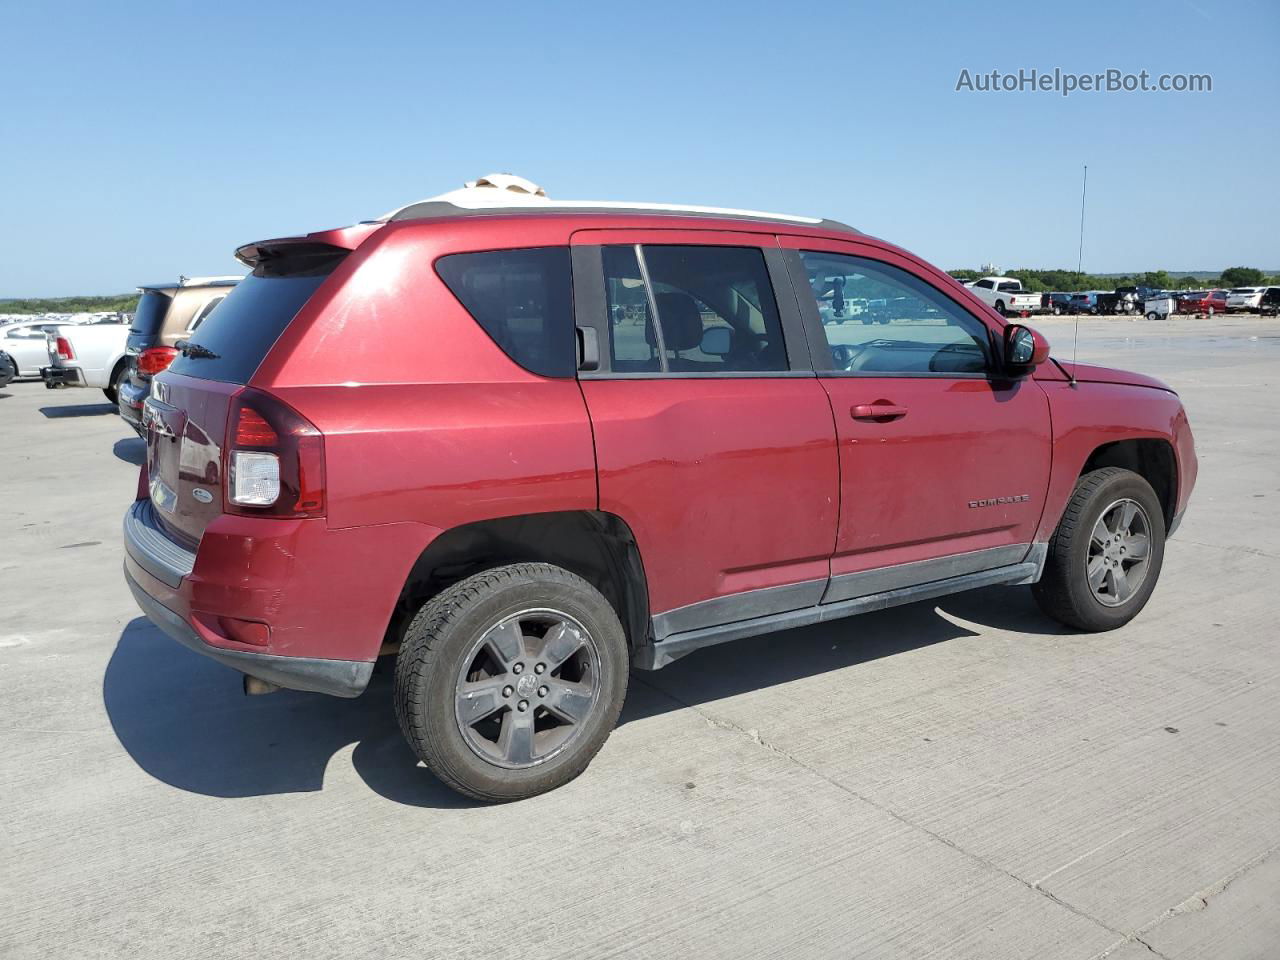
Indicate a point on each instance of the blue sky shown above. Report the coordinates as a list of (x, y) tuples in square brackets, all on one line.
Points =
[(145, 140)]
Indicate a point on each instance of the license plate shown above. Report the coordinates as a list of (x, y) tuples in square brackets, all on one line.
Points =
[(162, 495)]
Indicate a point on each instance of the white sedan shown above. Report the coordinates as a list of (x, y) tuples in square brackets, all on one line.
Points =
[(27, 343)]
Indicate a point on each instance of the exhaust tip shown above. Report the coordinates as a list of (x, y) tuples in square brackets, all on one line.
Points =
[(253, 687)]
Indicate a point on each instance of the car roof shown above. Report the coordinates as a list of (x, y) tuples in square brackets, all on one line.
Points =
[(185, 282)]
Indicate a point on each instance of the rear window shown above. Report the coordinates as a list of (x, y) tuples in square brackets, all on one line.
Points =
[(149, 317), (248, 322), (524, 301)]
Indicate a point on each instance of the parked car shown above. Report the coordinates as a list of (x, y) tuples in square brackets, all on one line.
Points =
[(1005, 295), (1109, 303), (1083, 303), (1244, 299), (167, 314), (8, 369), (1204, 302), (1057, 303), (1269, 302), (87, 355), (26, 342), (428, 434)]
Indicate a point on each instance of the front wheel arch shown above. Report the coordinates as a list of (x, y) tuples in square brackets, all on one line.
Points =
[(1151, 458)]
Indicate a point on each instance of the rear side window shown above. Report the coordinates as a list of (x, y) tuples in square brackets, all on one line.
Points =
[(714, 307), (149, 317), (247, 323), (207, 309), (523, 299)]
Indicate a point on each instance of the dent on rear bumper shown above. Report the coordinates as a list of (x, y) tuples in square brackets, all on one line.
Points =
[(339, 678)]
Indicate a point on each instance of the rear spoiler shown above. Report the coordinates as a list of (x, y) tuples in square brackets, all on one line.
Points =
[(323, 246)]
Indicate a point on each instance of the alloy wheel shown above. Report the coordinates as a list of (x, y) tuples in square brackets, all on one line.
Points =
[(1119, 553), (527, 687)]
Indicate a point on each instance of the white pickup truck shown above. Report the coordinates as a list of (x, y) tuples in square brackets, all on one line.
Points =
[(88, 355), (1006, 295)]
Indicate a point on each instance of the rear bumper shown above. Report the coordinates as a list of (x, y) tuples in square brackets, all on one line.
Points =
[(291, 602), (61, 376), (339, 678), (154, 562)]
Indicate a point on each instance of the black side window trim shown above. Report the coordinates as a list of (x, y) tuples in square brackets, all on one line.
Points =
[(821, 352), (591, 310)]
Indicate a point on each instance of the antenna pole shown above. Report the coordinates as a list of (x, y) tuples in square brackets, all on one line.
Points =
[(1075, 346)]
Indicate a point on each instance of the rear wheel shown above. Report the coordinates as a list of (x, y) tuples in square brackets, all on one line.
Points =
[(1000, 308), (1153, 315), (118, 377), (1105, 557), (510, 681)]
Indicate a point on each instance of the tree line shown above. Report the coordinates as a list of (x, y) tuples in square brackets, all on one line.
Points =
[(1069, 281), (119, 303)]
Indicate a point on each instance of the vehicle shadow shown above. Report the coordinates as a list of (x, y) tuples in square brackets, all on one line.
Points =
[(1004, 609), (131, 450), (184, 719), (79, 410)]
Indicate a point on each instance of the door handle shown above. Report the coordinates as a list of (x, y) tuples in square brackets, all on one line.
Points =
[(881, 411)]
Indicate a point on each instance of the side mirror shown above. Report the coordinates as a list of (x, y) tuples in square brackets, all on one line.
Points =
[(717, 341), (1024, 349)]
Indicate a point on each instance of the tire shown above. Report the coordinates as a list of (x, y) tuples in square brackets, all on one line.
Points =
[(1064, 591), (1153, 315), (118, 376), (8, 370), (1000, 308), (458, 638), (1211, 313), (1057, 311)]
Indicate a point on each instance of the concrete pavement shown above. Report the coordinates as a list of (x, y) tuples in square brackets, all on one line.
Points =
[(949, 780)]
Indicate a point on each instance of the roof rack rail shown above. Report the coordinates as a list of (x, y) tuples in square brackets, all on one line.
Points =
[(504, 192)]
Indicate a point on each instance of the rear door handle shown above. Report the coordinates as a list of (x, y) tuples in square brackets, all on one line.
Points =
[(881, 411)]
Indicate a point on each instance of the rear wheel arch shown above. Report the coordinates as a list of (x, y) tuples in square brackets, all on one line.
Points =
[(597, 546), (1151, 458)]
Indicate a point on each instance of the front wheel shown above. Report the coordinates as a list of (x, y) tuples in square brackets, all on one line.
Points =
[(1153, 315), (510, 681), (1105, 557), (1211, 313)]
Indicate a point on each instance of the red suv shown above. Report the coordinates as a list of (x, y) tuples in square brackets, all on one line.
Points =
[(525, 447)]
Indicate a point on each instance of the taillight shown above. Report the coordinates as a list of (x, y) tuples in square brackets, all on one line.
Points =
[(155, 360), (275, 459), (64, 349)]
